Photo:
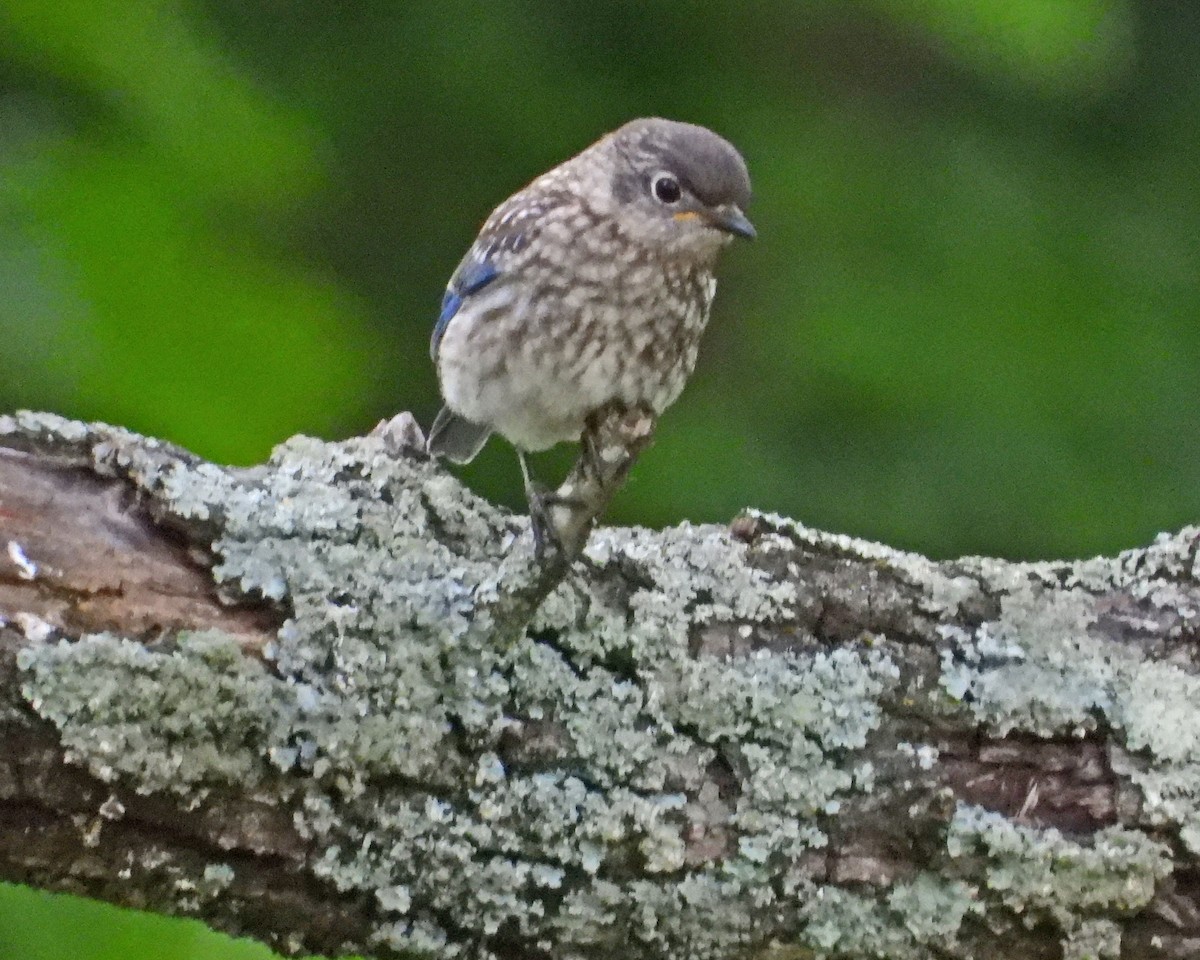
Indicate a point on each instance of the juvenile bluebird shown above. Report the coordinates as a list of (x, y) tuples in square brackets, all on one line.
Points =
[(591, 286)]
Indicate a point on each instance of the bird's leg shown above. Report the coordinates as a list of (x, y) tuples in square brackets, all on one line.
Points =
[(562, 519), (612, 439), (591, 464), (542, 503), (539, 516)]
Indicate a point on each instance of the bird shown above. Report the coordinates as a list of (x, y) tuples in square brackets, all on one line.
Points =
[(591, 286)]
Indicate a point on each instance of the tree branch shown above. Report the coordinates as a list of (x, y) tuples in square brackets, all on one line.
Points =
[(299, 702)]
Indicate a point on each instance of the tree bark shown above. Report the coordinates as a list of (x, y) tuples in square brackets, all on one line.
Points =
[(333, 703)]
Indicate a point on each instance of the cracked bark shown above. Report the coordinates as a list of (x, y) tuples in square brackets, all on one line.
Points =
[(983, 722)]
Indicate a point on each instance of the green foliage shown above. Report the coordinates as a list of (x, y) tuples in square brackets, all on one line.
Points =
[(969, 324), (42, 926), (144, 190)]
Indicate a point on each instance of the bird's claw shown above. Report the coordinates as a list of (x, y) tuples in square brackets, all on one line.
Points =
[(548, 540), (562, 519)]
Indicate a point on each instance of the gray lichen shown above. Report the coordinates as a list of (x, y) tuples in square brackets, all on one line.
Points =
[(1031, 868), (1048, 666), (387, 672), (926, 912), (560, 788), (1036, 668), (1041, 871), (182, 721)]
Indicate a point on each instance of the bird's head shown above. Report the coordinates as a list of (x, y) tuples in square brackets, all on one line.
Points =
[(678, 186)]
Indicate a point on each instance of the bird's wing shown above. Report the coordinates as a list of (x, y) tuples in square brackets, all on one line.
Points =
[(501, 247), (473, 274)]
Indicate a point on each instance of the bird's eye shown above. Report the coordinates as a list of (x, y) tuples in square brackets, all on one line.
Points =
[(667, 188)]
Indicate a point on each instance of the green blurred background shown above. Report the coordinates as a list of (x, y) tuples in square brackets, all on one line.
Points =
[(969, 324)]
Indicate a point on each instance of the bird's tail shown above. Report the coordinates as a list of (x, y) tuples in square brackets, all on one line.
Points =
[(454, 438)]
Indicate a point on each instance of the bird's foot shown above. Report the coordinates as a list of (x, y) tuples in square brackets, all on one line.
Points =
[(549, 516), (562, 519), (550, 539)]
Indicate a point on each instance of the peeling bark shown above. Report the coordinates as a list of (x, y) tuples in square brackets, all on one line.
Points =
[(308, 702)]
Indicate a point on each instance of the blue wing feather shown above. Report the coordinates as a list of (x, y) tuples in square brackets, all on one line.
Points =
[(472, 275)]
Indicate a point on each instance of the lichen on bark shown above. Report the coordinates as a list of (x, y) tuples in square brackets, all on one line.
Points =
[(704, 740)]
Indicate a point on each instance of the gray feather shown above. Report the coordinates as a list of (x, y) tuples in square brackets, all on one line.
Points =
[(454, 438), (705, 163)]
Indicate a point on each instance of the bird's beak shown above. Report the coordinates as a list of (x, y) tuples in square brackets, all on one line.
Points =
[(731, 219)]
